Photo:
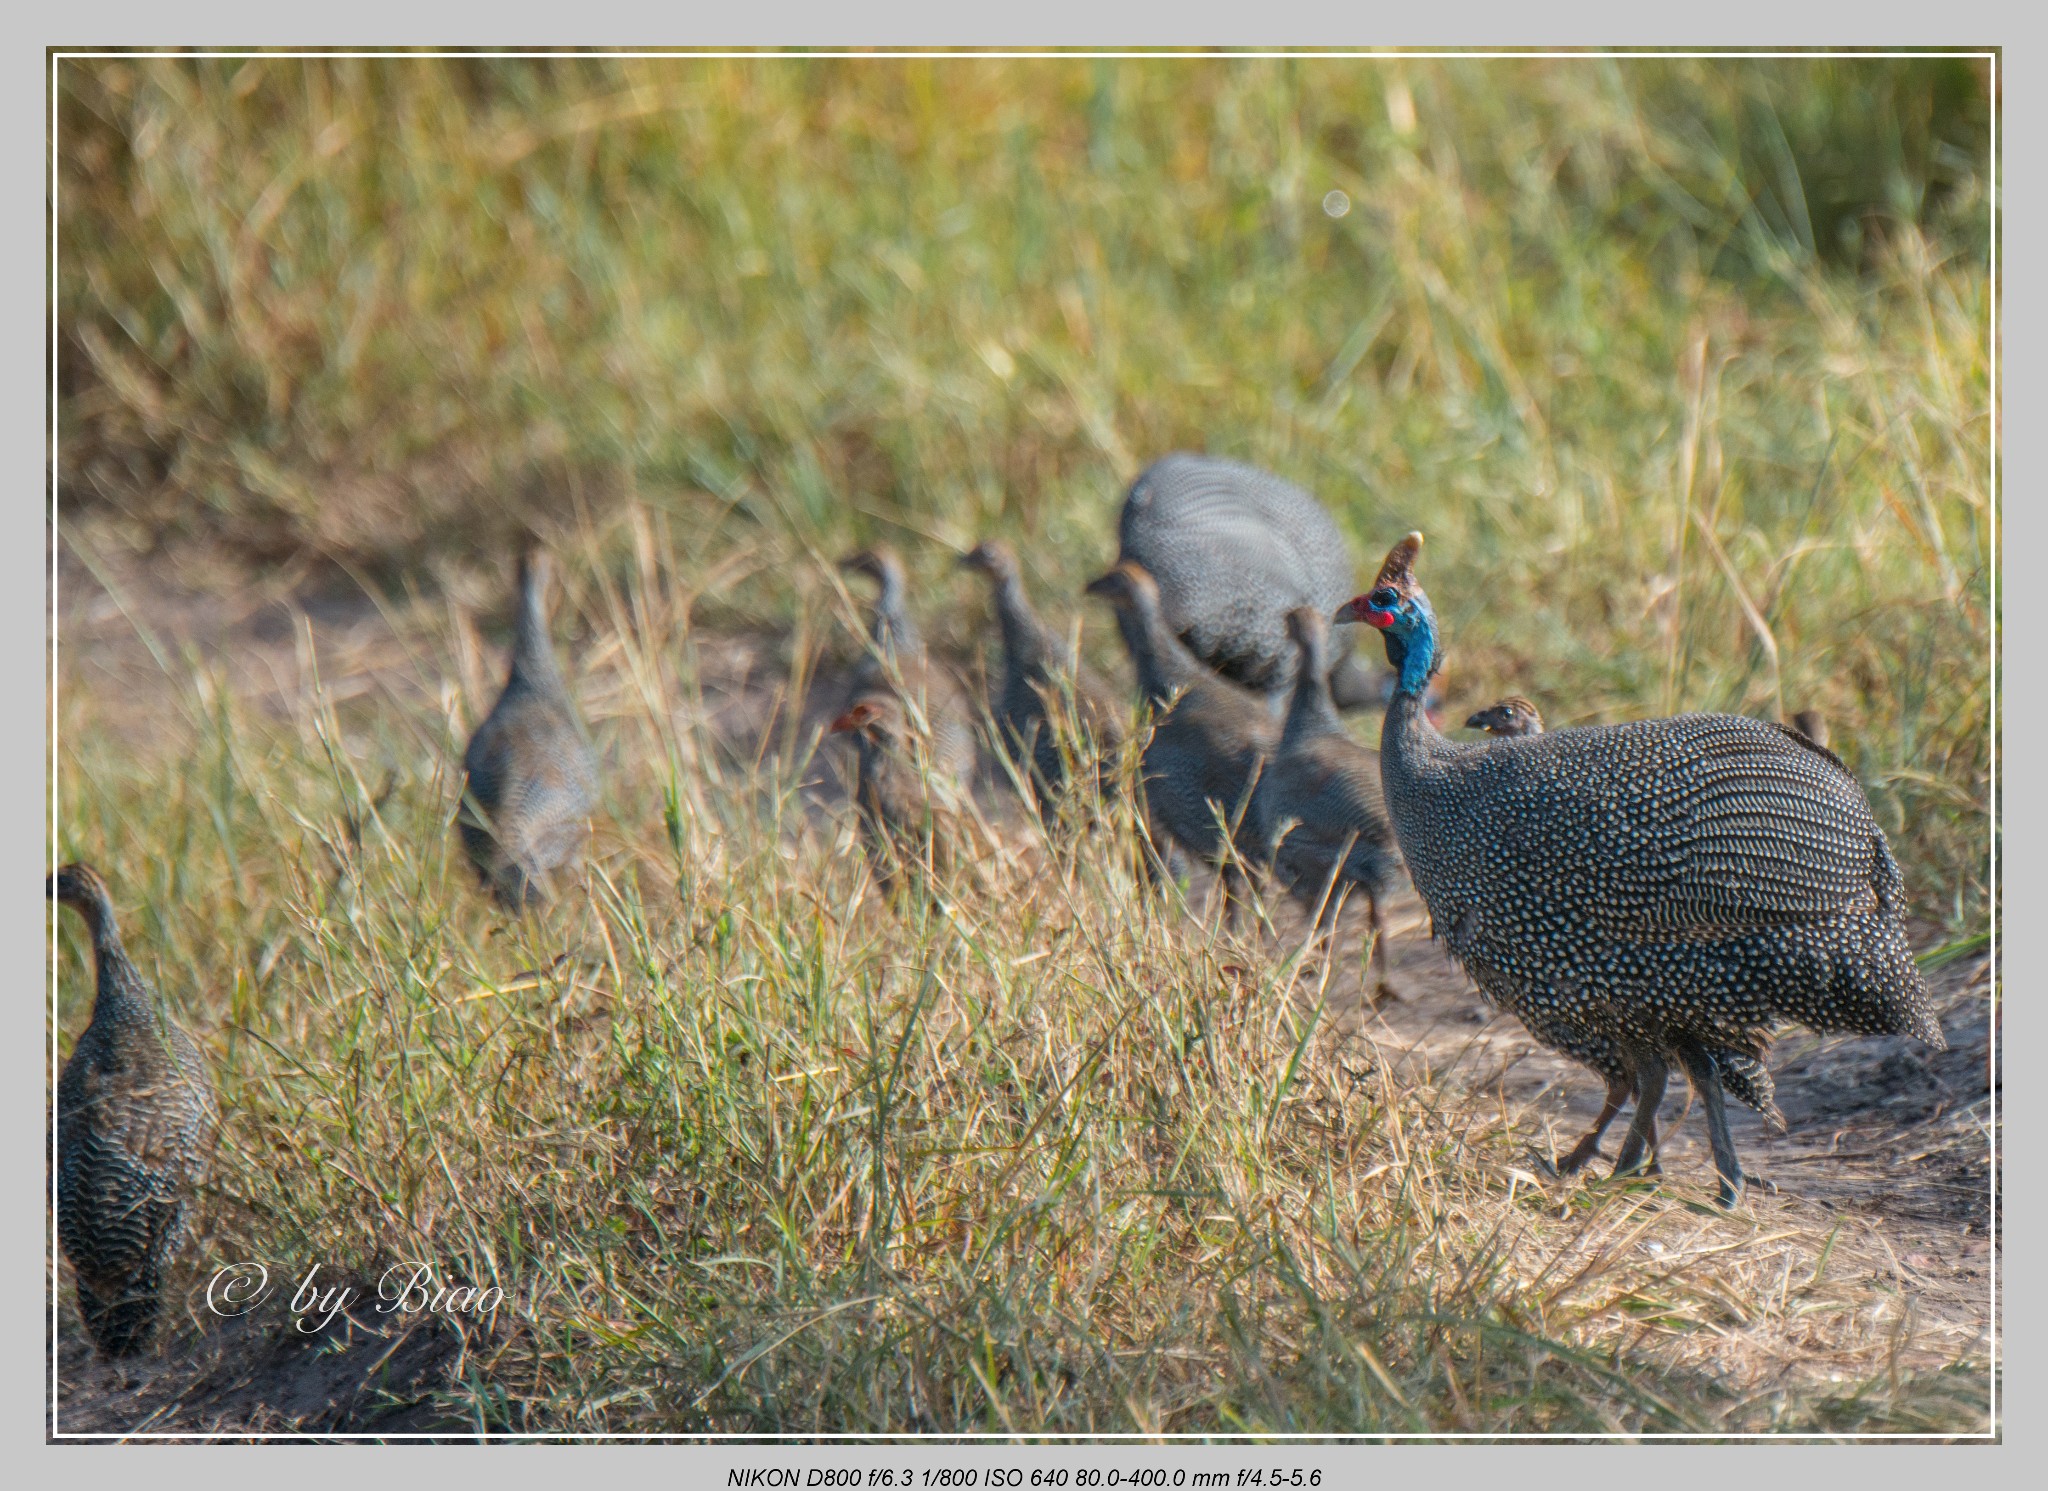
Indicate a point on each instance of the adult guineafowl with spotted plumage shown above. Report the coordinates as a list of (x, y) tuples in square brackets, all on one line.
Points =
[(529, 779), (135, 1113), (1233, 550), (1210, 740), (1318, 809), (1647, 892), (1039, 670)]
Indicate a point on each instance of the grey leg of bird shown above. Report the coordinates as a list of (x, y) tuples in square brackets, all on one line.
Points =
[(1639, 1149), (1588, 1149), (1706, 1080)]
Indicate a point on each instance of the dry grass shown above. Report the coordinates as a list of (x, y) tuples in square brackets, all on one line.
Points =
[(746, 1152), (1671, 453)]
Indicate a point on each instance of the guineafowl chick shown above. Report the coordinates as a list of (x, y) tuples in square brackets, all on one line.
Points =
[(897, 661), (909, 812), (1649, 892), (1813, 725), (135, 1115), (1512, 716), (1233, 549), (1210, 737), (1039, 672), (529, 779), (1318, 809)]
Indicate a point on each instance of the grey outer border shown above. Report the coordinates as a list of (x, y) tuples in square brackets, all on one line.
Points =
[(604, 23)]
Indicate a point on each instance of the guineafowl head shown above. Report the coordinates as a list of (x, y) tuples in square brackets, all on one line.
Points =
[(881, 564), (1307, 630), (1513, 715), (1812, 724), (1128, 587), (1397, 608), (877, 717), (993, 558), (80, 887)]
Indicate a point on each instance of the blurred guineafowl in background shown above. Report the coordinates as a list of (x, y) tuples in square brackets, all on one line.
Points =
[(909, 812), (135, 1112), (1210, 737), (1318, 808), (1038, 670), (1233, 550), (1513, 715), (913, 736), (897, 663), (1650, 891), (530, 782)]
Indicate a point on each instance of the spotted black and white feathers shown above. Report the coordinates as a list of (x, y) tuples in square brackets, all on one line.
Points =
[(1233, 549), (529, 778), (135, 1117), (1649, 893)]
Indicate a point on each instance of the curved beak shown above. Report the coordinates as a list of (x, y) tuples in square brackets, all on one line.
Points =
[(1360, 609)]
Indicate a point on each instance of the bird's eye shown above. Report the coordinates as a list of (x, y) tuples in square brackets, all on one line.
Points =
[(1384, 598)]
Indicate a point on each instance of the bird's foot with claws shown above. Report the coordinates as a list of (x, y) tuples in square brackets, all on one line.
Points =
[(1731, 1190)]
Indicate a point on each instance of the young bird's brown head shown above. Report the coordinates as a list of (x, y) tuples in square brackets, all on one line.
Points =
[(1512, 716)]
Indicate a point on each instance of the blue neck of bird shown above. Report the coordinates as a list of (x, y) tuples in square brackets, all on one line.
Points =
[(1418, 659)]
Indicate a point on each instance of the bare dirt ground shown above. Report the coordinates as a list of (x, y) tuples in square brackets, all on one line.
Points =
[(1886, 1150)]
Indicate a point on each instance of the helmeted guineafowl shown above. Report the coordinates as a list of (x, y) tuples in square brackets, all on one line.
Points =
[(909, 811), (896, 661), (530, 781), (1233, 550), (1513, 715), (135, 1114), (1210, 737), (1642, 892), (1318, 809), (1043, 683)]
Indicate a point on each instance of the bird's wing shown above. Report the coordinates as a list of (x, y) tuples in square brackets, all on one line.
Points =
[(1702, 823)]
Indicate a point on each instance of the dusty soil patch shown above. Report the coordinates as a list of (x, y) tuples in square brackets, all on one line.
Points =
[(258, 1375)]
